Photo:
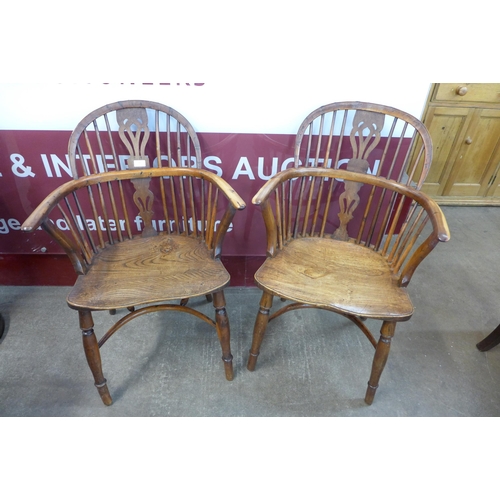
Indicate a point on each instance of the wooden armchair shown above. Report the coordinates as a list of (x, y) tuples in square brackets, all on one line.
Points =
[(343, 240), (141, 226)]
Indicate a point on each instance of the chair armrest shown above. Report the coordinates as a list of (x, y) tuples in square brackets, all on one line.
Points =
[(110, 209), (440, 233), (38, 216), (44, 208), (407, 255)]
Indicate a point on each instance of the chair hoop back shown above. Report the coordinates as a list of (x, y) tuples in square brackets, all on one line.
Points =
[(132, 134), (365, 138)]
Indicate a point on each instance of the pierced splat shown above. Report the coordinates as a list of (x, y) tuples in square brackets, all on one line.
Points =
[(144, 198), (348, 201), (134, 132), (364, 138)]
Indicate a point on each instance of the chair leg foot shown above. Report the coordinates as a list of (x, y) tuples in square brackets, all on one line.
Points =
[(380, 359), (252, 361), (104, 393), (228, 368), (370, 394), (222, 327), (259, 329), (93, 355)]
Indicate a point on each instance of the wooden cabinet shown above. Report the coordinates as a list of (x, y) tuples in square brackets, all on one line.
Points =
[(464, 122)]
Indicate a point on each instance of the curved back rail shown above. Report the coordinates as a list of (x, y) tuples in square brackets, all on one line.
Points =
[(132, 134), (399, 222), (85, 215), (365, 138)]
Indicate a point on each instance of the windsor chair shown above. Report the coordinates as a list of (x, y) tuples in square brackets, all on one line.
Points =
[(141, 222), (347, 227)]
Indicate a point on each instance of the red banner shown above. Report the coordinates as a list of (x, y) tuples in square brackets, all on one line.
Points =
[(35, 162)]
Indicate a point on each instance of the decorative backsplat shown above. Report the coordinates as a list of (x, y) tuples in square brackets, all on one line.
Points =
[(134, 132), (365, 136), (144, 198)]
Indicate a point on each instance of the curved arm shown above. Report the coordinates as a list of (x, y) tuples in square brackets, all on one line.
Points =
[(40, 214), (439, 222), (76, 258), (44, 208), (439, 232), (78, 241), (222, 230), (271, 227)]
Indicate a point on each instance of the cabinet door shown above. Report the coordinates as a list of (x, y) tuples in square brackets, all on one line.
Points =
[(478, 156), (447, 127)]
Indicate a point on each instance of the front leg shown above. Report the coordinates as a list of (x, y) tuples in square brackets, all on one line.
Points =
[(222, 326), (380, 359), (93, 355), (259, 329)]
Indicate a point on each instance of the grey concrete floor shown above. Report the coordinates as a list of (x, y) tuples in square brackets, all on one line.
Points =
[(312, 363)]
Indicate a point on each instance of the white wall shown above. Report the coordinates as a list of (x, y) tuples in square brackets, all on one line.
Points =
[(265, 64), (273, 106)]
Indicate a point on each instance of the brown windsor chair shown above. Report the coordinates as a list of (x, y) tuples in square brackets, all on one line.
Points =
[(341, 239), (142, 223)]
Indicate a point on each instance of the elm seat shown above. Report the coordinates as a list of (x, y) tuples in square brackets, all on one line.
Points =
[(148, 270), (337, 275)]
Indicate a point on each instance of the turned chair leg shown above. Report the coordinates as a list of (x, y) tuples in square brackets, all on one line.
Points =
[(259, 329), (222, 326), (492, 340), (380, 359), (93, 355)]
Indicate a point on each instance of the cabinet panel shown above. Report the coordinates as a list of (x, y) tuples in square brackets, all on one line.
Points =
[(447, 128), (477, 157)]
